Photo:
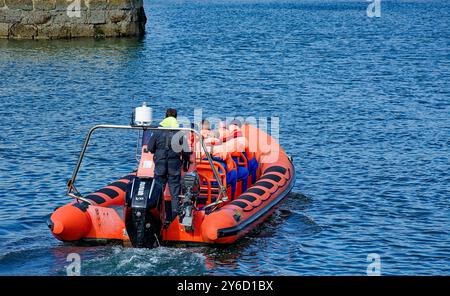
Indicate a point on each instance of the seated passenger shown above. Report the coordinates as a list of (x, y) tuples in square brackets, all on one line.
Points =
[(223, 131), (234, 129), (240, 144), (218, 154), (206, 129)]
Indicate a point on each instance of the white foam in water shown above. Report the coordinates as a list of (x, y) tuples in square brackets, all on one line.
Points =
[(158, 261)]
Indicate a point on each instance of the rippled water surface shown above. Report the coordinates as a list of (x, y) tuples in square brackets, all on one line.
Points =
[(364, 106)]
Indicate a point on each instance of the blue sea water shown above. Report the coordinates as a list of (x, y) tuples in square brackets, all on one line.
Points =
[(364, 105)]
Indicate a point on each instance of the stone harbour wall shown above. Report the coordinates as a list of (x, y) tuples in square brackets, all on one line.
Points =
[(56, 19)]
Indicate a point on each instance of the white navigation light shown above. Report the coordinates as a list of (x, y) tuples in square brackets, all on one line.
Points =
[(143, 115)]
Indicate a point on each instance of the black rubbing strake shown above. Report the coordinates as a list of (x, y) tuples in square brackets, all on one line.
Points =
[(224, 232), (109, 192), (121, 185), (238, 203), (276, 169), (257, 191), (272, 177), (247, 198), (82, 206), (264, 184), (97, 199), (129, 177)]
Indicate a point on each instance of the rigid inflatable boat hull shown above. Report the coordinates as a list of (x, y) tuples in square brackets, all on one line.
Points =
[(102, 219)]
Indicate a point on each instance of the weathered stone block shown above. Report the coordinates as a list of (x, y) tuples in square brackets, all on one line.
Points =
[(107, 30), (4, 30), (10, 16), (120, 4), (117, 15), (82, 30), (138, 15), (36, 17), (97, 4), (63, 5), (137, 3), (20, 4), (44, 4), (54, 31), (61, 17), (2, 3), (96, 17), (23, 31), (129, 29)]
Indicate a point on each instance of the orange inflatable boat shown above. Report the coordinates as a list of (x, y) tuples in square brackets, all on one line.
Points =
[(132, 210)]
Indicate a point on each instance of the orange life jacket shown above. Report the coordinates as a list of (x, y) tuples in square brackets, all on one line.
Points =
[(235, 134), (205, 133), (217, 149), (224, 134)]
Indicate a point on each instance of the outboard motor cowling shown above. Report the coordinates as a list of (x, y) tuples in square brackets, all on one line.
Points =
[(142, 214)]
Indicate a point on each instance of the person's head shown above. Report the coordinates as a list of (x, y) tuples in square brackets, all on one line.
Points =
[(222, 124), (206, 125), (171, 113), (236, 123)]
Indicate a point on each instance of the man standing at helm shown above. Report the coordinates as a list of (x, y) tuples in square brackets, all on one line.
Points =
[(168, 162)]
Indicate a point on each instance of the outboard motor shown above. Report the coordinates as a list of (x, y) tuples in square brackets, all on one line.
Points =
[(142, 212), (191, 189)]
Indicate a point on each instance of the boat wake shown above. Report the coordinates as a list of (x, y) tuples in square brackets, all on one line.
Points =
[(158, 261)]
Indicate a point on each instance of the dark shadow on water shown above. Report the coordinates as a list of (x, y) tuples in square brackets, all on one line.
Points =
[(70, 49), (117, 43)]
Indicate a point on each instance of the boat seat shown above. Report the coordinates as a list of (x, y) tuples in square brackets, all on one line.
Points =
[(252, 168), (242, 172), (209, 189)]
